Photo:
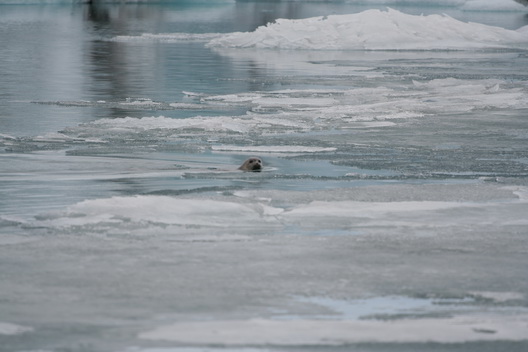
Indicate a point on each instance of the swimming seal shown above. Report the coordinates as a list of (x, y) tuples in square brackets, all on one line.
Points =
[(252, 164)]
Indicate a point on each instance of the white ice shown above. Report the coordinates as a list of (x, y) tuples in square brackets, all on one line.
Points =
[(273, 149), (374, 30), (13, 329), (314, 212), (286, 111), (340, 332), (480, 5)]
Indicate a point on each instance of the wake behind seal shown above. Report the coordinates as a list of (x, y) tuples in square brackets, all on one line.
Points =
[(253, 164)]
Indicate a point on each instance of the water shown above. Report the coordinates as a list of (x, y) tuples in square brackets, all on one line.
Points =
[(390, 215)]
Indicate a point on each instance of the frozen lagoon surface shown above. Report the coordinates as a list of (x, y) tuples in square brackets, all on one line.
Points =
[(390, 215)]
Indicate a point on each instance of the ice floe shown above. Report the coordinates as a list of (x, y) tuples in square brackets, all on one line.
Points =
[(287, 111), (271, 211), (374, 30), (13, 329), (127, 213), (274, 149), (340, 332)]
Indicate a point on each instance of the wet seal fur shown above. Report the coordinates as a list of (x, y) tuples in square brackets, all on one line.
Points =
[(253, 164)]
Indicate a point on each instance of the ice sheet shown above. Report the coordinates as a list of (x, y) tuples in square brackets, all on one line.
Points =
[(273, 149), (244, 211), (13, 329), (287, 111), (374, 30), (341, 332), (161, 211)]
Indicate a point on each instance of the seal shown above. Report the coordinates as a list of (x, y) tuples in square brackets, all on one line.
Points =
[(252, 164)]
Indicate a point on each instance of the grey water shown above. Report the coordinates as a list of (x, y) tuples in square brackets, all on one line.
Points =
[(109, 211)]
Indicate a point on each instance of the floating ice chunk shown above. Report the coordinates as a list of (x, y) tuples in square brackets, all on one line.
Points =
[(292, 111), (13, 329), (339, 332), (193, 94), (161, 210), (373, 30), (520, 192), (279, 100), (344, 209), (195, 125), (140, 102), (56, 137), (399, 307), (223, 123), (499, 296), (186, 106), (6, 136), (287, 212), (274, 149)]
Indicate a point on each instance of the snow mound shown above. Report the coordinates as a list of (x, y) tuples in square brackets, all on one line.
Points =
[(374, 30)]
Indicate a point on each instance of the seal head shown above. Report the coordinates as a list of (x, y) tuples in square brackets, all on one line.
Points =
[(252, 164)]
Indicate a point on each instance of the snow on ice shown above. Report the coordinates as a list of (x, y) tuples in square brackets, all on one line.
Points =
[(374, 30)]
